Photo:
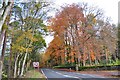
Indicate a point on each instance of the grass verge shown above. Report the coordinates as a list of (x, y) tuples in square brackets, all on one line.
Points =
[(33, 75)]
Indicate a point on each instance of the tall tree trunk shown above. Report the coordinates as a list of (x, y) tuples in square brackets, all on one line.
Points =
[(4, 12), (1, 38), (23, 65), (66, 56), (4, 46), (1, 66), (77, 43), (18, 73), (10, 60), (84, 61), (2, 55), (9, 66), (106, 56), (15, 67), (96, 61), (90, 59)]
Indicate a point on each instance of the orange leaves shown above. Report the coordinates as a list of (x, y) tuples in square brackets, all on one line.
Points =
[(92, 54), (72, 53), (55, 48), (72, 60), (73, 13), (75, 35), (70, 14)]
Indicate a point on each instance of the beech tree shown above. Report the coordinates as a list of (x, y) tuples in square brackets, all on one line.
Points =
[(82, 29)]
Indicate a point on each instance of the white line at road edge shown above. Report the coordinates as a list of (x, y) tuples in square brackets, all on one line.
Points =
[(71, 76), (94, 76), (60, 74), (43, 73), (66, 75)]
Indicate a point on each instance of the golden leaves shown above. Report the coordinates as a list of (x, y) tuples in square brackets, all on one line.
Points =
[(23, 42), (26, 36)]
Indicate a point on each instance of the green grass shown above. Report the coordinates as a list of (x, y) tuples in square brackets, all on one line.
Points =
[(117, 62), (33, 75)]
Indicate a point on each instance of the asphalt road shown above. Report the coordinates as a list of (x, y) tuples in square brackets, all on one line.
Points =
[(52, 74)]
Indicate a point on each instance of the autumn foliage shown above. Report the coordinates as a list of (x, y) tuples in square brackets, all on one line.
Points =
[(76, 39)]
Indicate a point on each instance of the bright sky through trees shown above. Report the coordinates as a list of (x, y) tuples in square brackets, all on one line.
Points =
[(110, 8)]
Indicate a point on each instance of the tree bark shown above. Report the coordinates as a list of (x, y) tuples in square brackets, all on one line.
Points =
[(23, 65), (1, 38), (2, 55), (4, 46), (90, 59), (15, 67), (4, 13), (10, 63), (18, 73), (1, 66)]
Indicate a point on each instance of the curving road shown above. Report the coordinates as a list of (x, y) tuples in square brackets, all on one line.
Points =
[(52, 74)]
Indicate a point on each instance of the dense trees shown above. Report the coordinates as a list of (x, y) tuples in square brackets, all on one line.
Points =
[(25, 36), (28, 30), (81, 36), (4, 18), (118, 48)]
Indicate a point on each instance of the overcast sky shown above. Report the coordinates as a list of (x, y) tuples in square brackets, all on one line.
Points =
[(110, 7)]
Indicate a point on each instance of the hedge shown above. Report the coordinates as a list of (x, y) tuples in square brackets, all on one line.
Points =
[(81, 68)]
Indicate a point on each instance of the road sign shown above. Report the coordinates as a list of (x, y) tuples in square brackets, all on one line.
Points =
[(35, 64)]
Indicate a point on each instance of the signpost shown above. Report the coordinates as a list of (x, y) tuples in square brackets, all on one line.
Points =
[(36, 65)]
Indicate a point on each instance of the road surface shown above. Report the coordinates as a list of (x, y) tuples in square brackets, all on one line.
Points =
[(52, 74)]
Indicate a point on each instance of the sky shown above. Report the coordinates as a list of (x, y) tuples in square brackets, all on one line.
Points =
[(110, 8)]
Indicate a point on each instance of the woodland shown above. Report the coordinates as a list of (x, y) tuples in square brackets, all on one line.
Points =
[(82, 36)]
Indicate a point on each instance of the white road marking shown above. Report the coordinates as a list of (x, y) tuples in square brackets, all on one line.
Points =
[(66, 75), (92, 75), (70, 76), (43, 73), (59, 73), (83, 74)]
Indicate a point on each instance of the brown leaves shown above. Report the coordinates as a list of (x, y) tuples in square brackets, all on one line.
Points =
[(92, 54), (71, 14), (76, 35), (56, 48)]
